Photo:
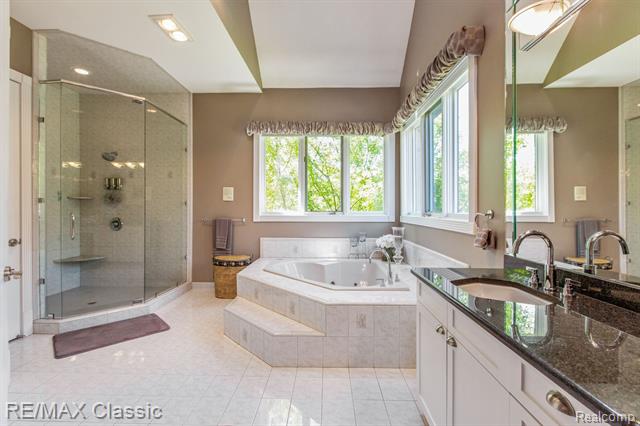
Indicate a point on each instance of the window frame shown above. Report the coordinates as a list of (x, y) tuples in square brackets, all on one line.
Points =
[(414, 208), (259, 215), (545, 180)]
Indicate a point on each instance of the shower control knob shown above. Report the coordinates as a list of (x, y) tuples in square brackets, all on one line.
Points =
[(116, 224)]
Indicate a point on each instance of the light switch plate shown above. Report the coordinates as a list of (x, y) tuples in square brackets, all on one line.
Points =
[(579, 193), (227, 193)]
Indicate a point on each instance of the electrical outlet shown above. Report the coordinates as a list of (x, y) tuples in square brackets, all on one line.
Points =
[(579, 193)]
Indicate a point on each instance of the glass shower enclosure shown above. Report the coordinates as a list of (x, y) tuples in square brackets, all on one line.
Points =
[(112, 199)]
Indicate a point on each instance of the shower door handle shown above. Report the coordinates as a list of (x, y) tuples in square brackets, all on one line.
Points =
[(73, 226)]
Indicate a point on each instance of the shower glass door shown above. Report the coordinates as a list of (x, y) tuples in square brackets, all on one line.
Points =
[(102, 185), (165, 201)]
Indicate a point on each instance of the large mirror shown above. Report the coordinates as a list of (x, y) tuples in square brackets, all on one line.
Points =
[(572, 150)]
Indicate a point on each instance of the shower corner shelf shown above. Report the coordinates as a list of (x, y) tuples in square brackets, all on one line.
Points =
[(79, 259), (79, 198)]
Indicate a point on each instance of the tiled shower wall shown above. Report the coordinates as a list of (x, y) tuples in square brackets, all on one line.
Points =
[(631, 116), (112, 123)]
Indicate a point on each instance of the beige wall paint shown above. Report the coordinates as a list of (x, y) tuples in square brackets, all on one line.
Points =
[(223, 156), (601, 26), (20, 48), (433, 22), (236, 17), (586, 154)]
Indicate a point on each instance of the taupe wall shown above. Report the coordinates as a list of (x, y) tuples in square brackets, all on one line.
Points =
[(21, 47), (223, 156), (586, 154), (433, 22)]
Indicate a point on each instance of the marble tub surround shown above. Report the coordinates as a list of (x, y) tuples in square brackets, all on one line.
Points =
[(341, 328), (594, 361)]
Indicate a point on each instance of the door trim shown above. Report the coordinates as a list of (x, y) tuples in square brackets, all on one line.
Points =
[(26, 200)]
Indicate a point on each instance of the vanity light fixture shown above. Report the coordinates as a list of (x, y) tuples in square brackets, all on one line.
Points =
[(171, 27), (81, 71), (535, 19)]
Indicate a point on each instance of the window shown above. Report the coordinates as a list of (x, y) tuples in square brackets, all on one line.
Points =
[(534, 186), (443, 139), (324, 178)]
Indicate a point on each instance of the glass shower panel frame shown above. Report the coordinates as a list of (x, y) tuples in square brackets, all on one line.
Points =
[(165, 201), (96, 265), (112, 200)]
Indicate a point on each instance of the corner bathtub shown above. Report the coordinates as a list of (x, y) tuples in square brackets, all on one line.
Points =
[(339, 274)]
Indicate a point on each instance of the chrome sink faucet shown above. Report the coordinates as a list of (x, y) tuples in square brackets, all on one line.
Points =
[(590, 247), (389, 273), (550, 268)]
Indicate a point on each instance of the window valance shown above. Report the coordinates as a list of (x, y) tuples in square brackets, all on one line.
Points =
[(311, 128), (469, 40), (538, 124)]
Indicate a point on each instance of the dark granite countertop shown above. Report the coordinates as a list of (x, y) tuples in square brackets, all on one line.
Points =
[(589, 347)]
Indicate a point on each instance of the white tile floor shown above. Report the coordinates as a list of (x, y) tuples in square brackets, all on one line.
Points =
[(201, 378)]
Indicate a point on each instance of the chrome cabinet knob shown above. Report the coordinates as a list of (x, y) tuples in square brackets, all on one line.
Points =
[(452, 342), (560, 403), (440, 329)]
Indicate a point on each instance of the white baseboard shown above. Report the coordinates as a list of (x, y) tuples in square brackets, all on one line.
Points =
[(202, 284)]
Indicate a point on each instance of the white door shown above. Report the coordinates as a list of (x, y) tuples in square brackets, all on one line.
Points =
[(13, 287), (4, 178)]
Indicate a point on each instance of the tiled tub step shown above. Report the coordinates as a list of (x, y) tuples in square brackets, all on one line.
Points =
[(268, 321), (379, 337), (274, 338)]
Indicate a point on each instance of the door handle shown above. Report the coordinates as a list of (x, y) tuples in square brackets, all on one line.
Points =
[(14, 242), (9, 273), (440, 329), (452, 342), (73, 226)]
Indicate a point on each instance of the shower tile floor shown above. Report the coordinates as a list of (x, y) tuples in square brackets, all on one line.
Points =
[(82, 300), (199, 377)]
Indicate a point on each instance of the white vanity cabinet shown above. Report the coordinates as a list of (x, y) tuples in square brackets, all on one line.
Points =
[(454, 388), (466, 376)]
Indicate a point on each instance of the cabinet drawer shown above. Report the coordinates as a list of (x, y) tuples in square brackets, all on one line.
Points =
[(435, 303), (498, 359), (532, 393)]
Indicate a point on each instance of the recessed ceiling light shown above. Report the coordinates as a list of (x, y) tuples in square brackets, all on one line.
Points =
[(171, 27), (168, 24), (533, 20), (178, 36), (81, 71)]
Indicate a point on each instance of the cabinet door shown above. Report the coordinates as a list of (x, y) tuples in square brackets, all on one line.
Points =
[(475, 397), (518, 416), (432, 367)]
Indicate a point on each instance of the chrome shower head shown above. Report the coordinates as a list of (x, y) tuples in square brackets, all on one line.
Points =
[(110, 156)]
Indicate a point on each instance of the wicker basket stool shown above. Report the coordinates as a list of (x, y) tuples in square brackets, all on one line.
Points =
[(225, 269)]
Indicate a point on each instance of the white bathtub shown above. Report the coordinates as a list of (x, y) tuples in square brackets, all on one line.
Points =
[(338, 274)]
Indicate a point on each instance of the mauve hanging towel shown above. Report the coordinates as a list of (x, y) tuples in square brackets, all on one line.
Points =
[(223, 237), (584, 229)]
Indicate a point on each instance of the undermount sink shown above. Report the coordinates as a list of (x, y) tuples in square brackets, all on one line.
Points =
[(505, 293)]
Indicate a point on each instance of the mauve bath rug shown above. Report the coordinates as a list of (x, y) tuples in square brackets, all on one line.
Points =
[(88, 339)]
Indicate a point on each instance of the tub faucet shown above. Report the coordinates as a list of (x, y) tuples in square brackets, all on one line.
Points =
[(550, 268), (591, 244), (389, 273)]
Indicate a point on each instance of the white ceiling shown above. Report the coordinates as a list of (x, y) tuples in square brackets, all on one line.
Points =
[(209, 63), (618, 67), (331, 43)]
